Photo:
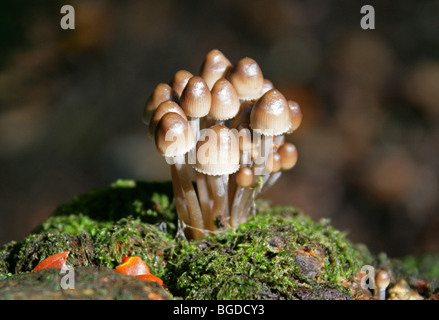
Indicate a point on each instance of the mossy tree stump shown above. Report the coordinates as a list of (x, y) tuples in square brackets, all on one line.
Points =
[(279, 253)]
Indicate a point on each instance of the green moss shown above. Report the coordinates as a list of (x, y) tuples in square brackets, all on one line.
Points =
[(105, 248), (278, 254), (101, 207), (99, 227)]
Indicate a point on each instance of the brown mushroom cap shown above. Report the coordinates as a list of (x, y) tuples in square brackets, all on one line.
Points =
[(244, 177), (288, 154), (162, 109), (215, 66), (296, 115), (273, 162), (180, 80), (217, 151), (174, 136), (225, 101), (382, 279), (246, 76), (162, 92), (271, 114), (196, 99)]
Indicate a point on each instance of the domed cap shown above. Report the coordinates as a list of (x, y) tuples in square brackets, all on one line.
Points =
[(225, 101), (382, 279), (174, 136), (244, 177), (273, 162), (196, 98), (162, 109), (288, 155), (246, 76), (296, 115), (215, 66), (217, 151), (162, 92), (271, 114), (180, 80)]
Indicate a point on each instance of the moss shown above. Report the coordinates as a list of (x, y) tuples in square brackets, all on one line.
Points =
[(278, 254), (101, 207), (105, 248), (99, 227)]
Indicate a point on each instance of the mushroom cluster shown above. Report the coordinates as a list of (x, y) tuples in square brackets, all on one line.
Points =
[(224, 128)]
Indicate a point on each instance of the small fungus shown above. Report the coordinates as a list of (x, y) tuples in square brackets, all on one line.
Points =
[(382, 280), (56, 261), (132, 266), (225, 128), (135, 266)]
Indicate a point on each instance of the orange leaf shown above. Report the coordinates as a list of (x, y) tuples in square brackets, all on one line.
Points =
[(132, 266), (150, 277), (57, 261)]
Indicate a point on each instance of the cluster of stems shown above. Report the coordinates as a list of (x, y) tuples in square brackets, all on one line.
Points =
[(224, 129)]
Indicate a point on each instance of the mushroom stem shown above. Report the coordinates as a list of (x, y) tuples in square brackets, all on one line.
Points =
[(245, 204), (220, 204), (238, 192), (271, 178), (180, 202), (270, 181), (191, 198), (382, 294), (203, 194), (195, 125), (234, 213)]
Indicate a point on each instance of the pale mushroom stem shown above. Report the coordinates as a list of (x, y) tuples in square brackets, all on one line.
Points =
[(246, 204), (234, 213), (233, 186), (238, 194), (271, 178), (180, 202), (203, 194), (382, 294), (245, 200), (191, 198), (220, 204), (195, 125)]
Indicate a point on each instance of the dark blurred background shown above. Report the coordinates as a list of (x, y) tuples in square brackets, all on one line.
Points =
[(71, 104)]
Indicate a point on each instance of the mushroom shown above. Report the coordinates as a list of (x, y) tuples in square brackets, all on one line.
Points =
[(246, 76), (195, 100), (164, 107), (270, 117), (161, 93), (382, 280), (296, 115), (214, 67), (190, 118), (217, 157), (174, 139), (180, 80), (225, 102)]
